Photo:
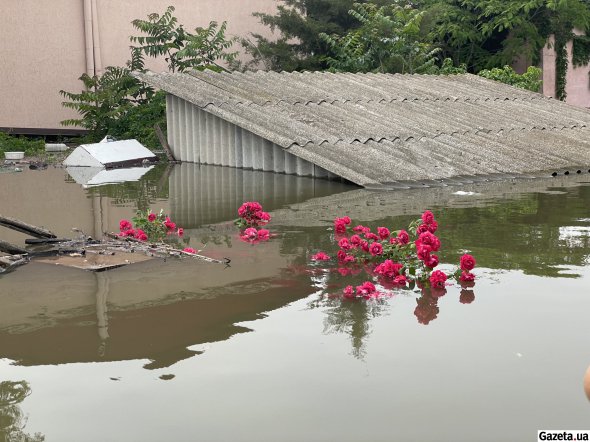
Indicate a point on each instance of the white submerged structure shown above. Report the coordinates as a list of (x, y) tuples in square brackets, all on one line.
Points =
[(109, 154)]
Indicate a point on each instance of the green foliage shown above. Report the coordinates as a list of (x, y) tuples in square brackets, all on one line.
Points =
[(490, 33), (182, 50), (448, 68), (561, 64), (106, 101), (389, 39), (156, 226), (580, 50), (530, 80), (118, 104), (9, 143), (300, 23)]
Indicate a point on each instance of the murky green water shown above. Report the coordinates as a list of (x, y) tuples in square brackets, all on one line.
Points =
[(261, 351)]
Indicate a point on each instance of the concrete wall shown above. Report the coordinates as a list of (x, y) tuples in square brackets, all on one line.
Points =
[(577, 80), (43, 46)]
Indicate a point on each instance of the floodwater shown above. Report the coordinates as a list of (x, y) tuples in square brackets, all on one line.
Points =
[(263, 350)]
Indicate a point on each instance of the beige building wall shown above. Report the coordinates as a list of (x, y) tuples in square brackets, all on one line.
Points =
[(43, 46), (577, 81)]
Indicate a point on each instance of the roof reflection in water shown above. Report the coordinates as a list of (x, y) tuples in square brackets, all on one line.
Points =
[(208, 194)]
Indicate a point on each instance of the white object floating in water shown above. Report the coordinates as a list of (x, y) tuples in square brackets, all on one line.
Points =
[(463, 193), (55, 147), (111, 154)]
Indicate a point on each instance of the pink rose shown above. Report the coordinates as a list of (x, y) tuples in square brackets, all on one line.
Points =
[(349, 259), (346, 220), (189, 250), (429, 240), (403, 237), (180, 231), (248, 209), (422, 228), (427, 217), (371, 236), (361, 229), (388, 268), (339, 226), (365, 246), (383, 232), (341, 255), (423, 252), (400, 280), (263, 235), (375, 249), (437, 279), (432, 227), (344, 244), (467, 277), (467, 262), (265, 216), (366, 288), (355, 240), (320, 256), (431, 261), (142, 237), (250, 234), (125, 225), (169, 224), (151, 217)]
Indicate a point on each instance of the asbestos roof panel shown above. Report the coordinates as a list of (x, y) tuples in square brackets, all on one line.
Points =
[(383, 128)]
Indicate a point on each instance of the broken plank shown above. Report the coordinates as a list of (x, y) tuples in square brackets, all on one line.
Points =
[(11, 249), (7, 264), (29, 229), (57, 252), (164, 143), (45, 240)]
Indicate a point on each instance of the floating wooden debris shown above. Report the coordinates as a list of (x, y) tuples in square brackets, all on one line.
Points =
[(95, 261), (20, 226), (9, 263), (84, 252)]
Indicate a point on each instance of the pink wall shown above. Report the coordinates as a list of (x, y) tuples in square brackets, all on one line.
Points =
[(577, 80), (42, 47)]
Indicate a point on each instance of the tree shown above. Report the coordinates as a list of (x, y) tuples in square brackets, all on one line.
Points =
[(300, 23), (492, 33), (118, 104), (389, 39)]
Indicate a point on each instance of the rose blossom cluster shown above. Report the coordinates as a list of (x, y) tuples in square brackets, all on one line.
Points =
[(393, 258), (149, 226), (251, 216)]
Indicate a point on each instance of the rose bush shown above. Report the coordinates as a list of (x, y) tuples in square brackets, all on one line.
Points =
[(149, 226), (251, 216), (396, 258)]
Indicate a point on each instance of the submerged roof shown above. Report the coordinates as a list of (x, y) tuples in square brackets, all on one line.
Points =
[(381, 129)]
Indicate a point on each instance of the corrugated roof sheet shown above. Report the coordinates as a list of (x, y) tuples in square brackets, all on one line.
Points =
[(380, 128)]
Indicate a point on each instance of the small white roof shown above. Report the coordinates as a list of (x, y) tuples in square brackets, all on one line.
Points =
[(108, 154)]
